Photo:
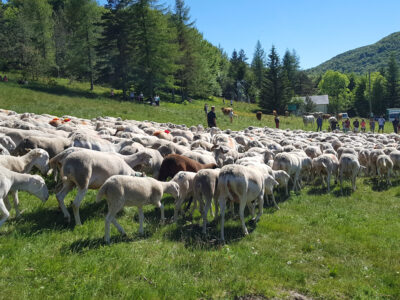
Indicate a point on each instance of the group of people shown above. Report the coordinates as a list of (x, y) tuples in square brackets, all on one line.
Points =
[(4, 78), (153, 101), (359, 126)]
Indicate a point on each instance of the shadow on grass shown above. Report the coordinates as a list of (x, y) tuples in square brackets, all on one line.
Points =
[(59, 90), (44, 219), (379, 185)]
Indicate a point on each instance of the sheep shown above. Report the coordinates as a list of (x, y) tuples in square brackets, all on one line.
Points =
[(395, 157), (11, 181), (282, 178), (7, 143), (174, 163), (349, 167), (53, 146), (313, 151), (308, 120), (145, 160), (204, 187), (185, 181), (243, 185), (88, 169), (384, 167), (325, 165), (122, 190), (3, 150)]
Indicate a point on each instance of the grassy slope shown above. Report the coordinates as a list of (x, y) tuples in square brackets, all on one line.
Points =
[(319, 244)]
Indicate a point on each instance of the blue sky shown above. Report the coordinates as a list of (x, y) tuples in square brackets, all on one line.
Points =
[(317, 30)]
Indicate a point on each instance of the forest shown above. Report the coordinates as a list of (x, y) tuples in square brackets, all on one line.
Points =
[(142, 46)]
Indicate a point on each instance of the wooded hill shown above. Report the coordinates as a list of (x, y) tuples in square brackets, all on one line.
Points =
[(361, 60)]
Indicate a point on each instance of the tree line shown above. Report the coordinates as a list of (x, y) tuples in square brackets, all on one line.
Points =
[(141, 45)]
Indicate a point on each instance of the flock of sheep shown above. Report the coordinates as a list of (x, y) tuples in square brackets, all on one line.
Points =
[(129, 162)]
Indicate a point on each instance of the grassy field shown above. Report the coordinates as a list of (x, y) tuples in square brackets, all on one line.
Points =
[(325, 246)]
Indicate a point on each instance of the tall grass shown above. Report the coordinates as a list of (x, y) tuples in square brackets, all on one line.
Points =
[(326, 246)]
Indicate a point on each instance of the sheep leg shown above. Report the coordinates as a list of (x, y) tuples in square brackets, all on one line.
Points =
[(194, 207), (286, 189), (5, 212), (178, 207), (260, 207), (216, 207), (353, 182), (107, 222), (77, 202), (388, 178), (7, 203), (328, 182), (141, 218), (242, 206), (205, 213), (16, 203), (251, 206), (161, 206), (222, 204), (67, 187), (273, 200)]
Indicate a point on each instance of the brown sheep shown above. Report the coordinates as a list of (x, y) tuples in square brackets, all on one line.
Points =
[(259, 115), (174, 163), (226, 110)]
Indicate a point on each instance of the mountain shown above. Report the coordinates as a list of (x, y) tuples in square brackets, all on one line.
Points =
[(361, 60)]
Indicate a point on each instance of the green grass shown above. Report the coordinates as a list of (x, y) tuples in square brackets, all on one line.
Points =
[(325, 246)]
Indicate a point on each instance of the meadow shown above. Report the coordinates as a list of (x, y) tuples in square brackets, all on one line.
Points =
[(323, 246)]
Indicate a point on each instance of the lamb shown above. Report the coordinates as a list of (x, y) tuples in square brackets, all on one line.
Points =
[(185, 180), (349, 167), (35, 158), (120, 191), (204, 187), (242, 185), (174, 163), (11, 181), (324, 166), (88, 169), (384, 167)]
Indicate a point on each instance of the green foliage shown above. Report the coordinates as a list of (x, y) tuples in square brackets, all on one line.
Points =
[(361, 60), (309, 105), (335, 85), (392, 83), (361, 102), (258, 66)]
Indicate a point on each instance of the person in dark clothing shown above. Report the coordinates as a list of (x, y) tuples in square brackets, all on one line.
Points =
[(212, 118), (395, 123), (356, 125), (276, 121), (333, 125), (319, 123)]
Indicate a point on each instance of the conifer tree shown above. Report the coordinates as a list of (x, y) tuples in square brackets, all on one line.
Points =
[(258, 65), (392, 83)]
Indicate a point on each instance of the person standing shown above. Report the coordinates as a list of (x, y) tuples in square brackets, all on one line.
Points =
[(276, 121), (381, 123), (141, 97), (231, 102), (356, 125), (206, 108), (363, 125), (212, 118), (372, 125), (319, 123), (231, 115), (132, 96), (395, 123), (157, 100)]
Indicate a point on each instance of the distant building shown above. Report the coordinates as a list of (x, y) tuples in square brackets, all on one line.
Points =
[(321, 103)]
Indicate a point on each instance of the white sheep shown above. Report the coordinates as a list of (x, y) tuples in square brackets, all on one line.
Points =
[(325, 166), (88, 169), (242, 185), (384, 167), (349, 167), (122, 190), (204, 188), (11, 181), (185, 181)]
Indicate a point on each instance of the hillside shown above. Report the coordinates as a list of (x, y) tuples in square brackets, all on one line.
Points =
[(361, 60)]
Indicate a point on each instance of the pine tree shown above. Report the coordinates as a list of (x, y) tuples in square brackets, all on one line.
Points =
[(275, 93), (291, 65), (258, 65), (360, 102), (392, 83), (83, 17)]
